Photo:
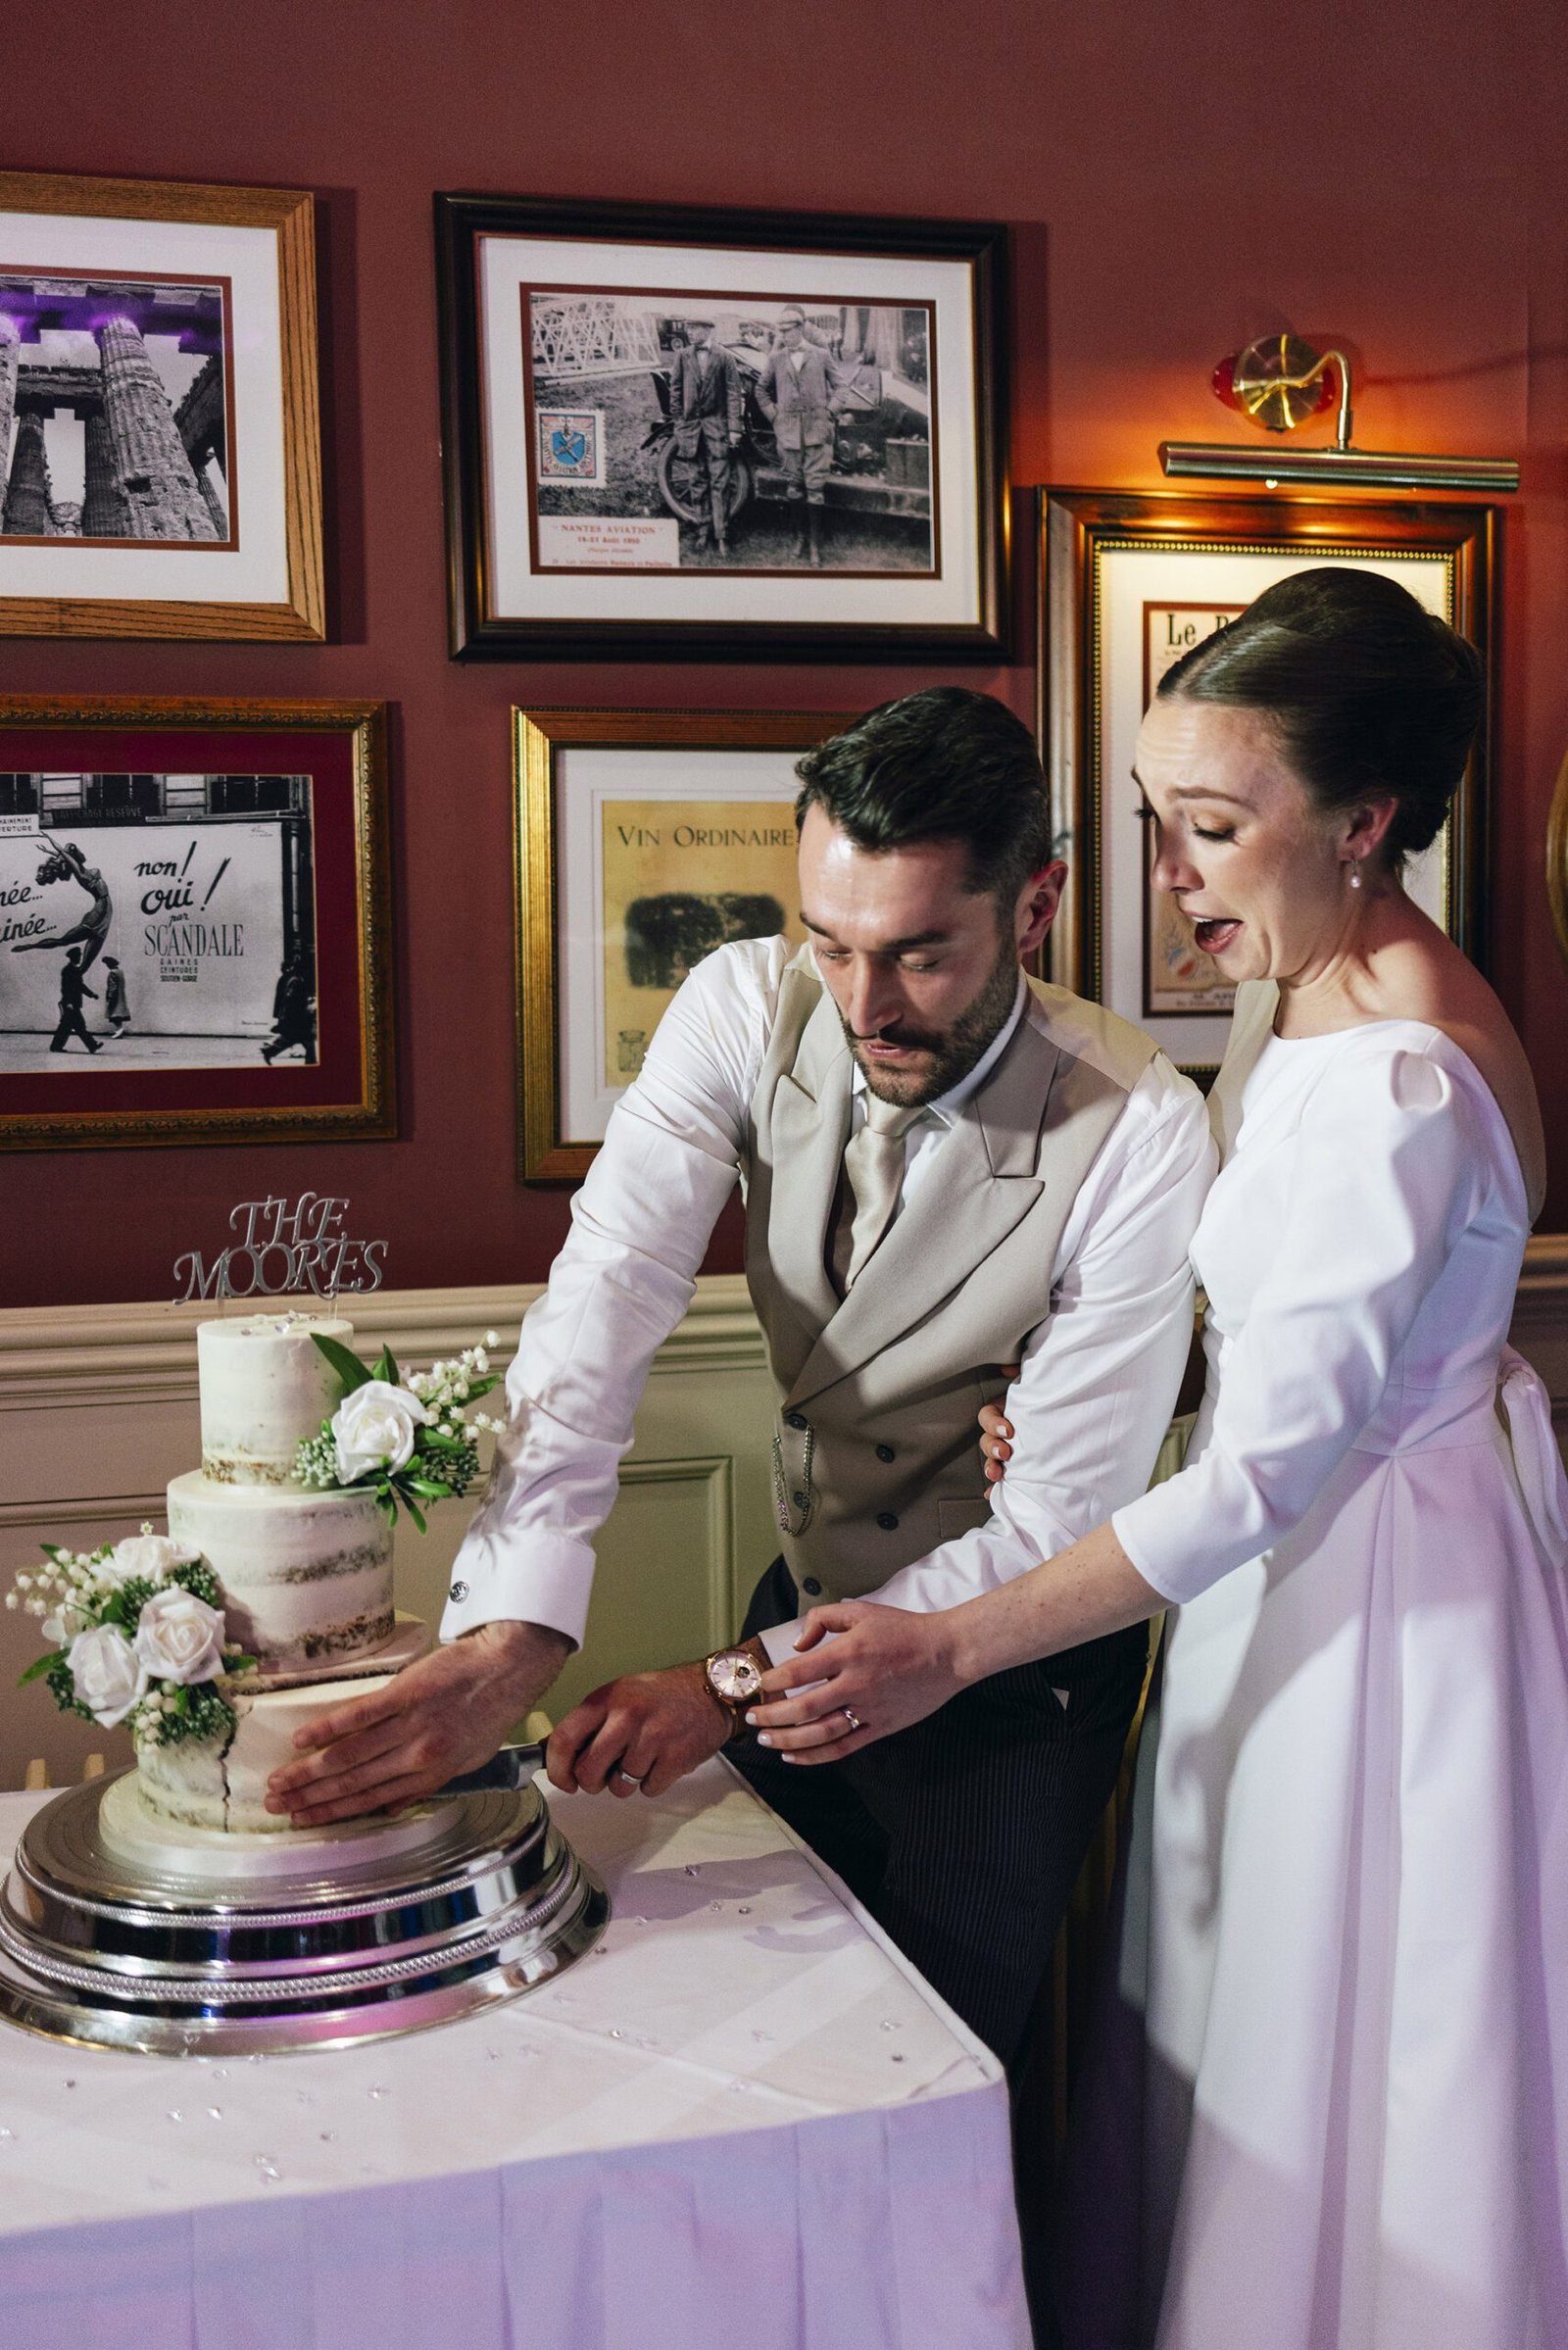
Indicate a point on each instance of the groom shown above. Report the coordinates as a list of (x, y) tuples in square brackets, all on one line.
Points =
[(948, 1171)]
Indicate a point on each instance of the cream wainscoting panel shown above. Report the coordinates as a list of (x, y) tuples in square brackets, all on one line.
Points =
[(98, 1411)]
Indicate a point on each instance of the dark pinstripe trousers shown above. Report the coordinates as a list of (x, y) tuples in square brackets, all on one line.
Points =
[(963, 1834)]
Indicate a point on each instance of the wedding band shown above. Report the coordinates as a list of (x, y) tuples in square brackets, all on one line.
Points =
[(630, 1777), (854, 1720)]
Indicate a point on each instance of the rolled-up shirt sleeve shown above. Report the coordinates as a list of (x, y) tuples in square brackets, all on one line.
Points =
[(1388, 1170), (640, 1228), (1099, 1381)]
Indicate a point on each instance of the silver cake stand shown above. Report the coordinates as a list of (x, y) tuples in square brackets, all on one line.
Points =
[(105, 1939)]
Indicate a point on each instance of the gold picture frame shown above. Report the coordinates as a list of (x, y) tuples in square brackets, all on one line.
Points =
[(232, 547), (1557, 857), (236, 854), (581, 777), (1112, 563)]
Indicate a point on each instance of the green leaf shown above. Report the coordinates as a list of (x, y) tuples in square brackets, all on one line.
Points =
[(387, 1368), (41, 1665), (413, 1508), (482, 1387), (425, 1487), (352, 1373)]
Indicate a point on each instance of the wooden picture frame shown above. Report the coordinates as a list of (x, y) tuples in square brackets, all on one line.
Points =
[(1115, 565), (160, 435), (216, 874), (1557, 858), (592, 850), (592, 510)]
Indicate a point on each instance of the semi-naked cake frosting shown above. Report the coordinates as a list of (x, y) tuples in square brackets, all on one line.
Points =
[(305, 1576)]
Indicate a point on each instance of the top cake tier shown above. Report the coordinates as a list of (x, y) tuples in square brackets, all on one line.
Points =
[(265, 1384)]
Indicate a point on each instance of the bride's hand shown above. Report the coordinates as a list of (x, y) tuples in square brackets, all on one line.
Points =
[(995, 1430), (884, 1669)]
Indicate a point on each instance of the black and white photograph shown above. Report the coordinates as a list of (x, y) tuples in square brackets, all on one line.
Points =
[(672, 431), (733, 431), (159, 430), (116, 414), (156, 921)]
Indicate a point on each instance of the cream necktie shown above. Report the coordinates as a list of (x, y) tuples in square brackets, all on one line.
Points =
[(873, 1161)]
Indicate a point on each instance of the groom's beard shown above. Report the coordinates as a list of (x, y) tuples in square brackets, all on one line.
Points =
[(949, 1052)]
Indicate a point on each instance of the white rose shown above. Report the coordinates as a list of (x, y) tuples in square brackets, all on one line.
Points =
[(107, 1673), (179, 1638), (374, 1428), (153, 1555)]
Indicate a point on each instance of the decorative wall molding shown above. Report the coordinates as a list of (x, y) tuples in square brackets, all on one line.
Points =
[(120, 1354)]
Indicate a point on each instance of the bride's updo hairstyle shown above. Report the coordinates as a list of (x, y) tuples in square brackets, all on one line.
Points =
[(1370, 696)]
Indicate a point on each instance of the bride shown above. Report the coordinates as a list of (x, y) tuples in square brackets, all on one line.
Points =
[(1355, 2107)]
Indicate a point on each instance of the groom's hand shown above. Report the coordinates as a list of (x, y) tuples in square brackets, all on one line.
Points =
[(640, 1733), (445, 1714)]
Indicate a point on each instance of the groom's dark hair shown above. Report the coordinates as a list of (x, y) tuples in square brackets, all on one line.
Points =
[(944, 764)]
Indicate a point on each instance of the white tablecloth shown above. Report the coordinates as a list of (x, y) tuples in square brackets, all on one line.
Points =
[(741, 2121)]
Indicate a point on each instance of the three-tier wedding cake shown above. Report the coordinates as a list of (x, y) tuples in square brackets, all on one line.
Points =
[(305, 1576), (164, 1908)]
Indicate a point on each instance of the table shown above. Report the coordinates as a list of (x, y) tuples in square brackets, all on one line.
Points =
[(741, 2121)]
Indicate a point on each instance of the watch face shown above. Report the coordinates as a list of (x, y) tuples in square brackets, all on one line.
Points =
[(735, 1678)]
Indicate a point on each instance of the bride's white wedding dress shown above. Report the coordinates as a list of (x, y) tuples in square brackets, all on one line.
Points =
[(1355, 2095)]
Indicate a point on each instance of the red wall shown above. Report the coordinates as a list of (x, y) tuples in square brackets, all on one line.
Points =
[(1387, 175)]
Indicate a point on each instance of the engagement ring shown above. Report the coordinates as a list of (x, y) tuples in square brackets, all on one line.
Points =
[(854, 1720)]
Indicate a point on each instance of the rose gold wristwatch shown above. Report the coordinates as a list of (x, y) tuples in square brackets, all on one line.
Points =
[(735, 1678)]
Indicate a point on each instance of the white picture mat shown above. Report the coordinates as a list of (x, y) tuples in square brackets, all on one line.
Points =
[(1127, 578), (585, 778), (256, 572), (508, 262)]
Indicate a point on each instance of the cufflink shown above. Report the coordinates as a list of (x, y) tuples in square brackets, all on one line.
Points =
[(459, 1590)]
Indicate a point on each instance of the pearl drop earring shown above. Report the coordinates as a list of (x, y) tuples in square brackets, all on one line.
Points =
[(1355, 872)]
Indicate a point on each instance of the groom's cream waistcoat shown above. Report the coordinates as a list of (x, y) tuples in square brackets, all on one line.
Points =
[(875, 1448)]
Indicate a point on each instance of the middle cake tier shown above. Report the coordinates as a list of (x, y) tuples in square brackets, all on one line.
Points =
[(307, 1577)]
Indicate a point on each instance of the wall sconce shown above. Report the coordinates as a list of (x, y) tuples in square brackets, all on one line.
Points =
[(1281, 381)]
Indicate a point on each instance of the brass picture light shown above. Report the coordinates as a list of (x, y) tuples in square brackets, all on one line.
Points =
[(1280, 381)]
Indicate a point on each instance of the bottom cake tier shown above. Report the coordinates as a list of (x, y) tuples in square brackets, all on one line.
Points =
[(218, 1786), (222, 1783)]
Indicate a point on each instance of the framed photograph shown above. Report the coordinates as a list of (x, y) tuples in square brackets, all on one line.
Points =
[(643, 840), (194, 923), (1130, 581), (160, 445), (715, 434)]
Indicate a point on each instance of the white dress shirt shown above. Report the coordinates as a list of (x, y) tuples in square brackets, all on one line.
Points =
[(1095, 1391)]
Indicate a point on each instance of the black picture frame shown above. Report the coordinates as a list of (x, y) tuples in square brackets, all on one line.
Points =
[(959, 600)]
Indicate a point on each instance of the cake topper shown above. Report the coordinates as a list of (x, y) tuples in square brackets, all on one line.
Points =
[(283, 1249)]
